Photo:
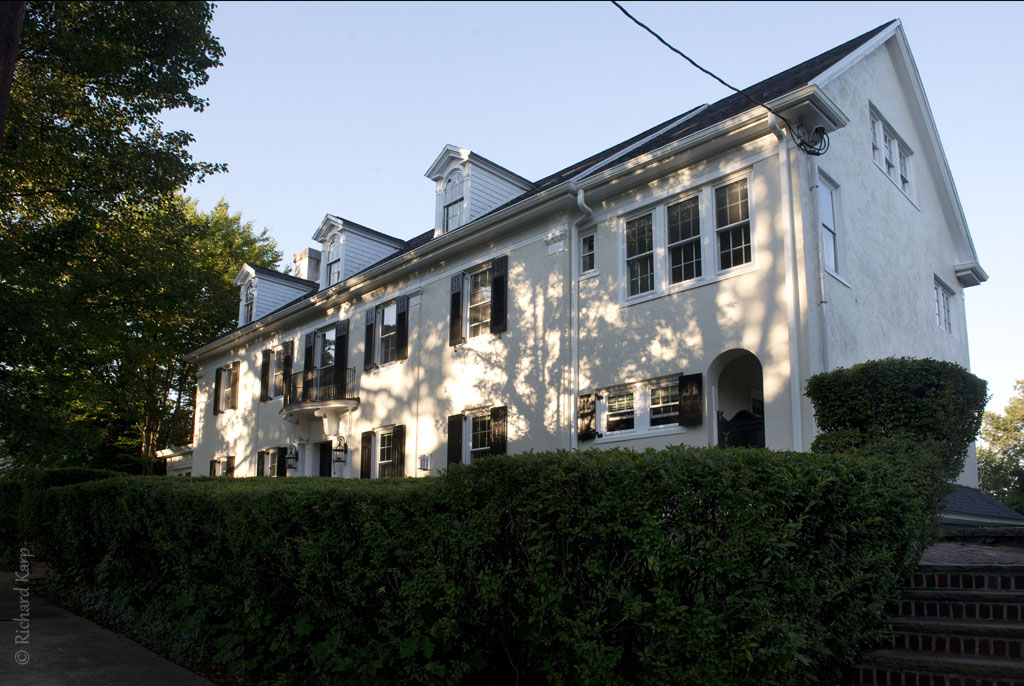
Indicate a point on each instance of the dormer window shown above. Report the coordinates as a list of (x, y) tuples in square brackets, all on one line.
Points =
[(334, 260), (453, 202), (250, 299)]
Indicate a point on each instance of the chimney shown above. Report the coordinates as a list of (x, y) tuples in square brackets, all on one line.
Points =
[(307, 264)]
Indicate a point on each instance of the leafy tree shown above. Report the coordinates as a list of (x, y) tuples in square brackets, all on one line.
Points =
[(1001, 462), (105, 273)]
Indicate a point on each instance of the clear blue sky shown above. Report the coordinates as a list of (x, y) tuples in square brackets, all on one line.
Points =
[(341, 107)]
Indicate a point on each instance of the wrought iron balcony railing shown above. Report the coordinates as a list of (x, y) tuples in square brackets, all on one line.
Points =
[(319, 385)]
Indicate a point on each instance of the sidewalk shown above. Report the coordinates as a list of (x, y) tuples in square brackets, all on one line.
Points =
[(61, 648)]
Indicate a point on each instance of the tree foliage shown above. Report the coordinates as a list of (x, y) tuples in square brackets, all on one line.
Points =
[(106, 273), (1001, 461)]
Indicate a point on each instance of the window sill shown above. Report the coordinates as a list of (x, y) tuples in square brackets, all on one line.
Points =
[(377, 367), (589, 275), (620, 436), (690, 285)]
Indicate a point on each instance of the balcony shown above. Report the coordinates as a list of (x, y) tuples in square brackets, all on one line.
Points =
[(315, 393)]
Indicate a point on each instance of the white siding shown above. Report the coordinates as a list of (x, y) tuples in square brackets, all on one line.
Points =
[(272, 295), (487, 190), (358, 252)]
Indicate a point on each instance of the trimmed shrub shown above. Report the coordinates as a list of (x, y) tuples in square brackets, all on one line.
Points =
[(34, 483), (683, 566), (897, 400)]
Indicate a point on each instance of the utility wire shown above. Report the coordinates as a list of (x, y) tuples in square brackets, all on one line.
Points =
[(809, 148)]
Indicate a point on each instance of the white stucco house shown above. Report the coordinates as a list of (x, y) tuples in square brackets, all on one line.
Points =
[(679, 287)]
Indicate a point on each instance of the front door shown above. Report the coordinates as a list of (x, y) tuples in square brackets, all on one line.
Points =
[(325, 459)]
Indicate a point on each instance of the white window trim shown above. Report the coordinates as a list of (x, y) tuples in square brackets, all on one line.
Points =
[(461, 201), (642, 426), (333, 238), (880, 129), (708, 240), (590, 273), (467, 277), (944, 307), (824, 180), (467, 432), (275, 369), (378, 330), (249, 302), (377, 434)]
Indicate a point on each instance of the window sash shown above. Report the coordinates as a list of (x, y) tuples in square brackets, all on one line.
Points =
[(387, 328), (829, 243), (587, 254), (665, 405), (683, 233), (250, 300), (386, 447), (640, 254), (333, 272), (943, 309), (480, 436), (621, 412), (325, 348), (732, 218), (480, 302), (277, 360), (229, 379)]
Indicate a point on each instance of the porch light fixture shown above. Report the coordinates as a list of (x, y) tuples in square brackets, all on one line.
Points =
[(340, 450), (292, 457)]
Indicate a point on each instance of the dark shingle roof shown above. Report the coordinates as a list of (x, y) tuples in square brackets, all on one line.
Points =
[(971, 501), (306, 283)]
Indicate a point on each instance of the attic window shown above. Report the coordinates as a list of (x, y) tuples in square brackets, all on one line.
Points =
[(333, 260), (250, 298), (452, 202)]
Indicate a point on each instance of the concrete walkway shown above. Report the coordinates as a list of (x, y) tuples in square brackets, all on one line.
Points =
[(55, 648)]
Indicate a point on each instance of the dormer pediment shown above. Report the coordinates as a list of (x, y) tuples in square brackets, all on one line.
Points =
[(468, 186)]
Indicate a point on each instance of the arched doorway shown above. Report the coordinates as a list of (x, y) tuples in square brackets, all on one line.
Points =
[(738, 398)]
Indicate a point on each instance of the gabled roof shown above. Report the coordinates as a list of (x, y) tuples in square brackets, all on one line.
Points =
[(973, 502)]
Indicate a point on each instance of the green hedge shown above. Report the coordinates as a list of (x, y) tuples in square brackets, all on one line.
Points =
[(684, 566), (21, 502), (898, 402)]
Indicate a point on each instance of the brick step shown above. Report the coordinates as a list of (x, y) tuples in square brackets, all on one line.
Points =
[(995, 639), (903, 667), (1000, 606), (969, 577)]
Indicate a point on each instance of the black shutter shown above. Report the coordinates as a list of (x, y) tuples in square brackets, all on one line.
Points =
[(402, 326), (499, 294), (340, 359), (282, 462), (499, 430), (368, 349), (455, 325), (307, 366), (213, 467), (229, 468), (265, 377), (398, 460), (366, 455), (586, 417), (455, 438), (235, 367), (218, 388), (286, 375), (261, 463), (691, 399)]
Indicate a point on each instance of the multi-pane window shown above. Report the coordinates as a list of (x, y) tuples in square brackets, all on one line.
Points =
[(387, 325), (829, 242), (732, 223), (665, 405), (480, 302), (891, 153), (452, 202), (943, 311), (587, 244), (480, 436), (640, 254), (250, 299), (277, 360), (227, 378), (386, 452), (334, 260), (684, 240), (620, 411)]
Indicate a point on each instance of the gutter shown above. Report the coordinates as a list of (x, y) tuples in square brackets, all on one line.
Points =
[(792, 287)]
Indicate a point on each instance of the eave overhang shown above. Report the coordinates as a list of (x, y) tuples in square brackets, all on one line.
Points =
[(970, 274)]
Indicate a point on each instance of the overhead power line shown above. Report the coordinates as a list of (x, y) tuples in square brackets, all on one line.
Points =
[(806, 146)]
